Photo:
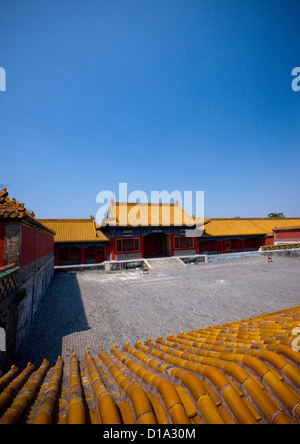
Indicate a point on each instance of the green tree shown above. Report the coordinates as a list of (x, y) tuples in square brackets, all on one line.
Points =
[(276, 215)]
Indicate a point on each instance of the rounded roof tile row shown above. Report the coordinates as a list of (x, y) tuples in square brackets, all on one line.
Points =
[(243, 372)]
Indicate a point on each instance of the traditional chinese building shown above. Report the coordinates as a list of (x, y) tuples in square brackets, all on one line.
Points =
[(77, 241), (138, 230), (244, 234), (145, 230), (286, 235)]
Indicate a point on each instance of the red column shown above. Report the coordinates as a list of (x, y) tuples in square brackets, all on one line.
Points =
[(113, 241), (142, 244), (221, 243), (82, 255), (243, 249), (172, 244), (196, 244)]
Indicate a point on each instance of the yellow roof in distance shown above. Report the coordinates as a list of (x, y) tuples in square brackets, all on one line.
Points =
[(246, 226), (74, 230)]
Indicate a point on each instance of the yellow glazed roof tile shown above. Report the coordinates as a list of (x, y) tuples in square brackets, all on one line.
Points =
[(244, 372), (74, 230), (11, 208), (13, 211), (149, 214), (246, 226)]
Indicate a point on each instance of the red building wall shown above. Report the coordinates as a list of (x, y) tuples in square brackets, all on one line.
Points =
[(287, 236), (2, 233), (269, 240), (34, 245)]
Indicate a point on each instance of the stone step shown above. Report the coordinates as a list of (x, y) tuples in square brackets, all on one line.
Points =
[(164, 262)]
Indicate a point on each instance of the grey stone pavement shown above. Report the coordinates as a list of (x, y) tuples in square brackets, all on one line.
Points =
[(86, 310)]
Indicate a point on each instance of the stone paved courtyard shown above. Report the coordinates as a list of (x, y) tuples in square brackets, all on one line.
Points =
[(86, 310)]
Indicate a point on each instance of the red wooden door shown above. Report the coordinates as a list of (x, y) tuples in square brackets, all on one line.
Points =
[(99, 254), (227, 246), (153, 245)]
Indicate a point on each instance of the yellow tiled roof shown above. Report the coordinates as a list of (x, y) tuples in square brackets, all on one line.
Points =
[(244, 372), (74, 230), (11, 208), (246, 226), (295, 227), (14, 211), (149, 214)]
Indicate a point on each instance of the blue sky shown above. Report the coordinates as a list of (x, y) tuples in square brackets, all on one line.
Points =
[(164, 95)]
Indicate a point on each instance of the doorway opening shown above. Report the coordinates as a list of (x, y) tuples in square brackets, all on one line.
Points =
[(156, 245)]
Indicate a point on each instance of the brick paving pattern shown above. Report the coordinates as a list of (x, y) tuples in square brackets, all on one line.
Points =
[(85, 310)]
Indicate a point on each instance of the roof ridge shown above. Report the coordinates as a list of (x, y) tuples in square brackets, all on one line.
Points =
[(254, 218), (67, 220), (147, 203)]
